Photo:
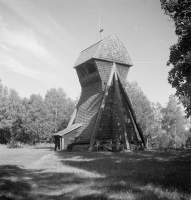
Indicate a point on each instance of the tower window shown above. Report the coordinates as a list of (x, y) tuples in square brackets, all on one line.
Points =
[(91, 68), (86, 69)]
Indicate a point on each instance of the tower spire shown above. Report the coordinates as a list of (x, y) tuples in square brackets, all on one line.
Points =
[(100, 30)]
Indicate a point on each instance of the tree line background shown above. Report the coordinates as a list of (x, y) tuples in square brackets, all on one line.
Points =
[(35, 119)]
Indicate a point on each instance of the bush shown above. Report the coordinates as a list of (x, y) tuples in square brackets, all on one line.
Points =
[(13, 144), (108, 145)]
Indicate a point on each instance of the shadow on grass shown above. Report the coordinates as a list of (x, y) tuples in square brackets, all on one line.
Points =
[(49, 148), (101, 176), (139, 175), (17, 183), (11, 186)]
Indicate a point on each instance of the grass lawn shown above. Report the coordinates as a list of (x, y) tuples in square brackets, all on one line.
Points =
[(39, 174)]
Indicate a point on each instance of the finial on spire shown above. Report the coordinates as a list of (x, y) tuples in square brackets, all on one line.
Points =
[(101, 34)]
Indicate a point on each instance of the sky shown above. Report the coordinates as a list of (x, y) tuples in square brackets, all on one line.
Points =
[(40, 41)]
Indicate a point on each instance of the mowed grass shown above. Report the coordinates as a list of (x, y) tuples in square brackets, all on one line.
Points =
[(35, 174)]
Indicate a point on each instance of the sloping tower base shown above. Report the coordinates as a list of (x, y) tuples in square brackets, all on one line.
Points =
[(116, 121)]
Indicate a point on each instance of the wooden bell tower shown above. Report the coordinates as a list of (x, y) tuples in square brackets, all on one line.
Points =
[(104, 112)]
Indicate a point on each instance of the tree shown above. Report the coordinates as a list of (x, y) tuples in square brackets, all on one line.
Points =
[(157, 124), (58, 108), (34, 118), (3, 99), (173, 125), (143, 109), (180, 53), (10, 116)]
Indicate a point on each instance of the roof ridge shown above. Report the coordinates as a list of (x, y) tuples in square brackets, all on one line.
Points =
[(100, 42), (109, 48), (90, 46)]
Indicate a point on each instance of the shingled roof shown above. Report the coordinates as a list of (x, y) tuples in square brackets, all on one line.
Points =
[(68, 129), (110, 49)]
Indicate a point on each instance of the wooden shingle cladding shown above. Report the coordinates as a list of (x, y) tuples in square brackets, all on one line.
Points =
[(93, 86), (68, 129), (87, 107), (67, 136), (101, 73), (104, 69), (89, 78), (103, 109), (116, 119), (109, 49), (87, 54)]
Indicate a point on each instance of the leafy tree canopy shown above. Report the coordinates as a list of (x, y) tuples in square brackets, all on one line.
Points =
[(35, 119), (173, 124), (180, 53), (142, 107)]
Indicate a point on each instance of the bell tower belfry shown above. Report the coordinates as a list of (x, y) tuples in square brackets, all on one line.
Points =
[(104, 112)]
